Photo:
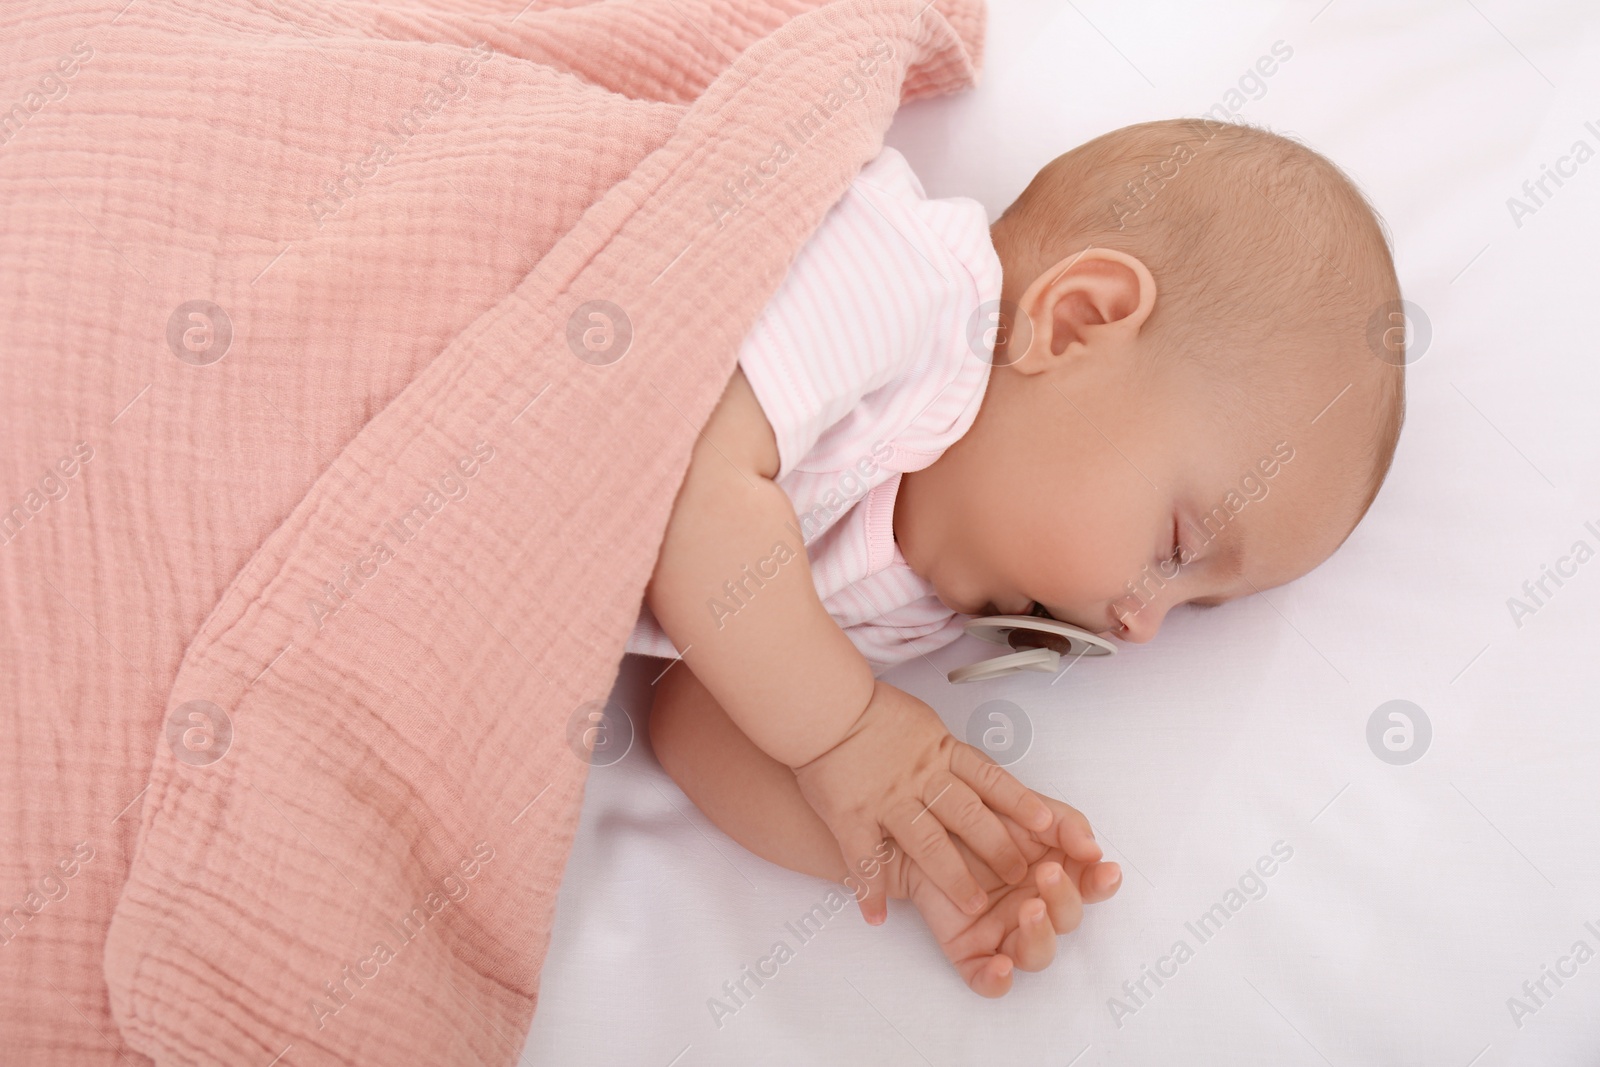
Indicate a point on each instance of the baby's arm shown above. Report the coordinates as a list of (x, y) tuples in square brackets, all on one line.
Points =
[(872, 761), (780, 665), (752, 797), (756, 801)]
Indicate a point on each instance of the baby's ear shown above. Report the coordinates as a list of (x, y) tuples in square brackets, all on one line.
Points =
[(1097, 298)]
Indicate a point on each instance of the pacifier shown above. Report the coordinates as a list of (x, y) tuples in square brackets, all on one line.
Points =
[(1040, 642)]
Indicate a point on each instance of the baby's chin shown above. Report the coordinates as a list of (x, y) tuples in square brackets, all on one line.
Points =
[(961, 607)]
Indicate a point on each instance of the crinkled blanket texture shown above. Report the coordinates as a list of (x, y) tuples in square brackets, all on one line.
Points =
[(317, 531)]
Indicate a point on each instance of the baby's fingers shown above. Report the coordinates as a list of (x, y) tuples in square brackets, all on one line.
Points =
[(987, 976), (999, 789), (1057, 910), (1070, 832), (927, 841), (1061, 896), (965, 814), (1100, 881), (1032, 945), (860, 845)]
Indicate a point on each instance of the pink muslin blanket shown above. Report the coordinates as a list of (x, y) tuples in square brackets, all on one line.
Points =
[(353, 354)]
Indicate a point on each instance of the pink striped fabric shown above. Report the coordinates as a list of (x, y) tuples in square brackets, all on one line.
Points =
[(862, 365)]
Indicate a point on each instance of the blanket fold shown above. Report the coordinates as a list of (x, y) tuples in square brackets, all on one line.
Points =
[(355, 355)]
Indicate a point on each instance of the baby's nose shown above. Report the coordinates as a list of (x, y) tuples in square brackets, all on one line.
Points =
[(1139, 624)]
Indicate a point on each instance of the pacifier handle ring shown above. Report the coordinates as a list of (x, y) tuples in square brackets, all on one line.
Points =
[(1044, 660)]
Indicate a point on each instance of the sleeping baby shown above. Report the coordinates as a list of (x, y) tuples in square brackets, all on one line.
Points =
[(1062, 414)]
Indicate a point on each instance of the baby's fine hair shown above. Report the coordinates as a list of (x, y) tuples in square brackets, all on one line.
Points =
[(1260, 247)]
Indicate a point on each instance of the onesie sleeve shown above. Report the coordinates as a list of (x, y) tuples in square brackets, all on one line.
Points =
[(856, 344)]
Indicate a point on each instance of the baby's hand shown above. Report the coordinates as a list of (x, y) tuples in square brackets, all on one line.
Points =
[(899, 773), (1021, 923)]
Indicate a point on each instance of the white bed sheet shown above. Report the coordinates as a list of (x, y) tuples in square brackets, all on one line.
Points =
[(1419, 898)]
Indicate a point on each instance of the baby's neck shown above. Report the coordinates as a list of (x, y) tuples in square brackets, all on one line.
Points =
[(905, 537), (920, 516)]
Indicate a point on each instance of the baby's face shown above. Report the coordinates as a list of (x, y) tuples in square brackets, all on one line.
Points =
[(1155, 503), (1108, 494)]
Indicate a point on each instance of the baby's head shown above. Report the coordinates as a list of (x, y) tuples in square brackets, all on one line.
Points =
[(1185, 405)]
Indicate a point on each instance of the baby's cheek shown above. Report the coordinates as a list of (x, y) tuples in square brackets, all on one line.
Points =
[(1077, 551), (1095, 568)]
